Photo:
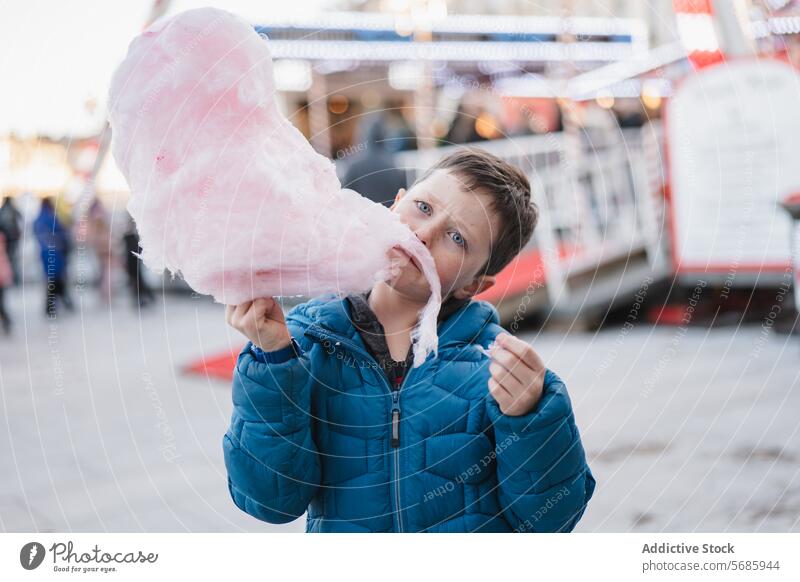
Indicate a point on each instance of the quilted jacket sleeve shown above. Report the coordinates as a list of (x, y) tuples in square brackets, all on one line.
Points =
[(271, 459), (544, 480)]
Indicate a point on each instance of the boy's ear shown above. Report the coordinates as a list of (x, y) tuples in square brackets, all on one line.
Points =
[(479, 284), (400, 193)]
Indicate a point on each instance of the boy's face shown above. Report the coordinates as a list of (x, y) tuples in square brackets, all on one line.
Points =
[(457, 226)]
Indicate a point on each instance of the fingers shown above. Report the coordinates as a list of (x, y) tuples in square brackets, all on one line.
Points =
[(502, 396), (241, 310), (508, 361), (254, 319), (516, 375), (522, 350), (261, 321), (234, 314), (261, 307), (506, 378), (275, 311)]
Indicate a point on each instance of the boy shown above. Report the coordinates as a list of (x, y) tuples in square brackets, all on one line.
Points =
[(329, 416)]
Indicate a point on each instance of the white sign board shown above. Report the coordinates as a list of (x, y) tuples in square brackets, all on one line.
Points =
[(733, 133)]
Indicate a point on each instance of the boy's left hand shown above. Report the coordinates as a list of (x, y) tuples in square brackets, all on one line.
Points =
[(517, 375)]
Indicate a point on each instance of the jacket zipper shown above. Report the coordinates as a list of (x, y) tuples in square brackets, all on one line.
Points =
[(396, 412), (396, 447), (395, 394)]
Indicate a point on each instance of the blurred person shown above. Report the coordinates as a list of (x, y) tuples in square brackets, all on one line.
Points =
[(54, 246), (399, 136), (11, 227), (141, 292), (64, 211), (558, 118), (99, 238), (629, 113), (462, 129), (373, 172), (6, 280)]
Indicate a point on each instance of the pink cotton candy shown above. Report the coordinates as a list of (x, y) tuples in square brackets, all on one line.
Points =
[(224, 189)]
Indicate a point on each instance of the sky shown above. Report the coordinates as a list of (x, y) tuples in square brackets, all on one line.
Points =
[(55, 55)]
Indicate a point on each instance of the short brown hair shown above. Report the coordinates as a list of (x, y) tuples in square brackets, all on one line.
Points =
[(510, 191)]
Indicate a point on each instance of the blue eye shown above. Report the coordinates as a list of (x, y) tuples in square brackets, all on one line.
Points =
[(424, 206), (458, 239)]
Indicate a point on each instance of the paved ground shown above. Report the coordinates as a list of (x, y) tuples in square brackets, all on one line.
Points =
[(686, 430)]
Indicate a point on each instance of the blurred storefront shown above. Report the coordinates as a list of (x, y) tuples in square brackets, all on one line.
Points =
[(337, 68)]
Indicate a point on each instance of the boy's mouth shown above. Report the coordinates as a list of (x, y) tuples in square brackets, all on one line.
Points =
[(410, 259)]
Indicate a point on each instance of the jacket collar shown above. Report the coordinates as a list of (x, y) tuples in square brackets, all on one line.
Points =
[(462, 326)]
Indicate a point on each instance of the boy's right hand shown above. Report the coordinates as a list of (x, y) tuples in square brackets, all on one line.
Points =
[(261, 321)]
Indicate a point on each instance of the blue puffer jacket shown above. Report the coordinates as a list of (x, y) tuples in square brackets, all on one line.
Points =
[(315, 433)]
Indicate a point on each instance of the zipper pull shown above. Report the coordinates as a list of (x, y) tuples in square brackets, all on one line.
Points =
[(396, 413), (395, 428)]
